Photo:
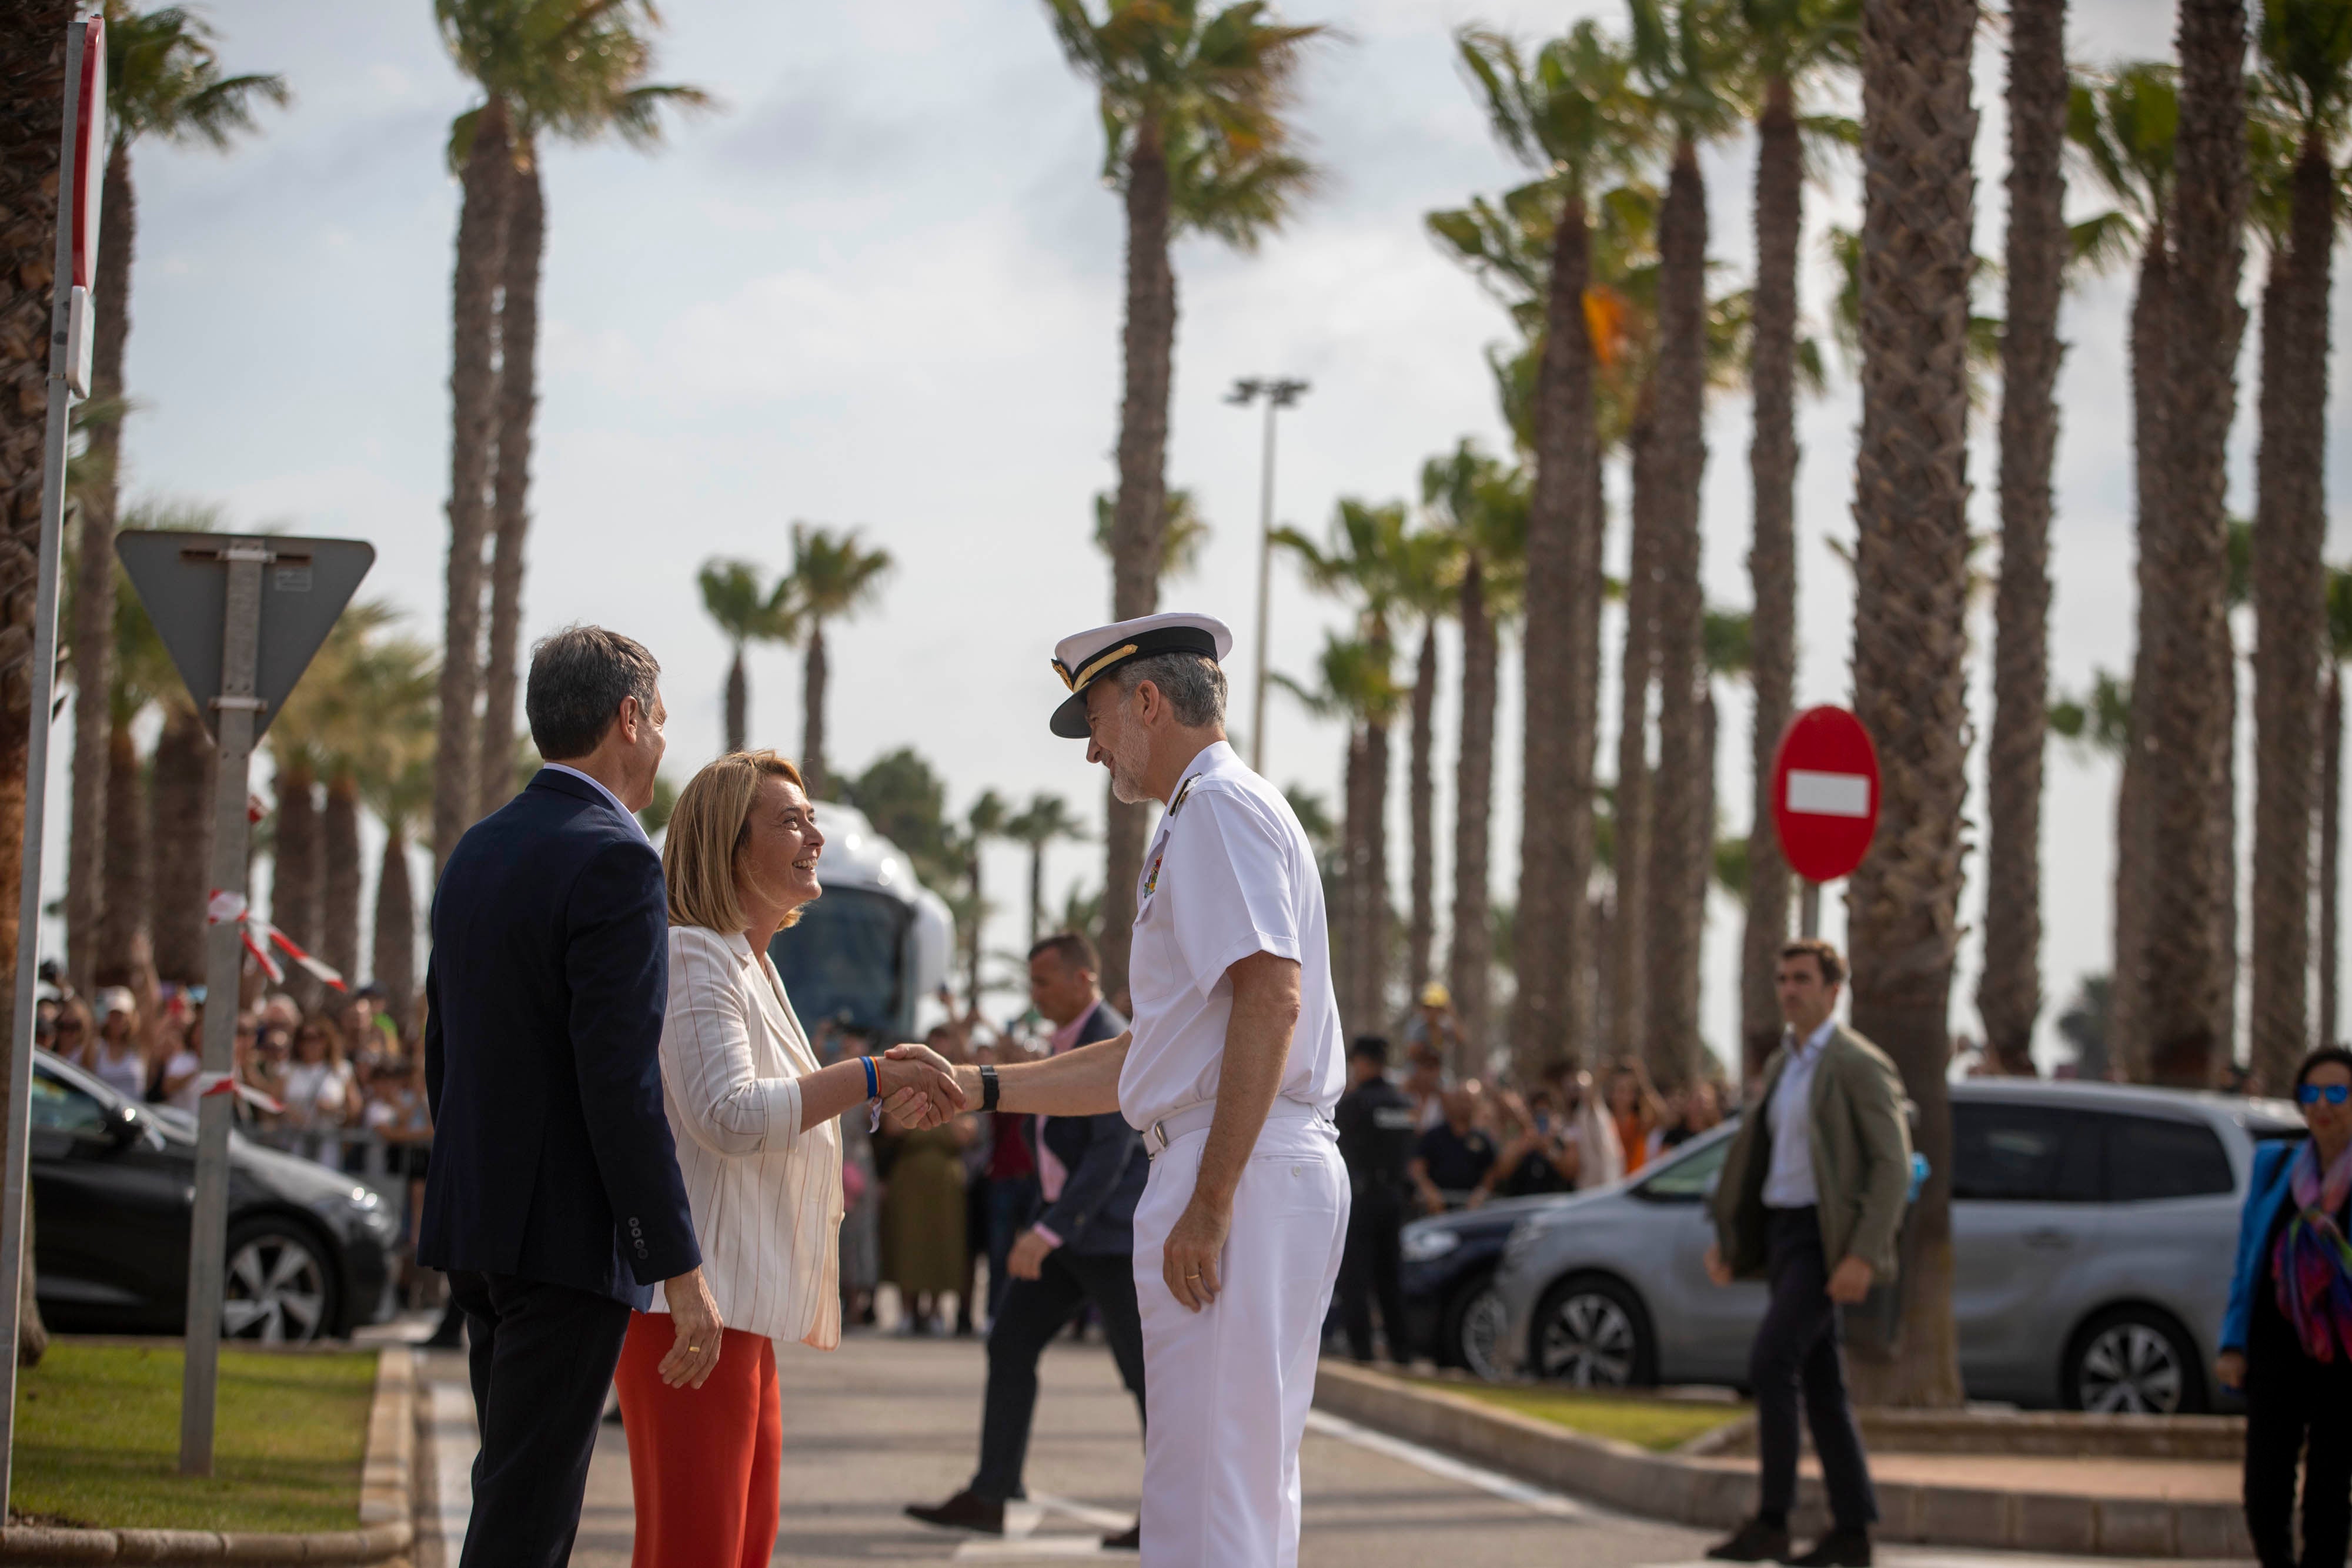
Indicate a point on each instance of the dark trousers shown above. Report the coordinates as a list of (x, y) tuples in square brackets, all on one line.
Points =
[(1011, 1207), (1797, 1355), (1035, 1311), (541, 1357), (2292, 1400), (1372, 1267)]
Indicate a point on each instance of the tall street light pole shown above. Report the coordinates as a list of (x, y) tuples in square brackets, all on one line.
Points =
[(1279, 394)]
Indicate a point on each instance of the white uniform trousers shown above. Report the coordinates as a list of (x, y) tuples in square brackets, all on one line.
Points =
[(1229, 1386)]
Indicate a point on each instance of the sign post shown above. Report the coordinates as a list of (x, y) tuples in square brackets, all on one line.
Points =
[(81, 164), (1825, 801), (241, 616)]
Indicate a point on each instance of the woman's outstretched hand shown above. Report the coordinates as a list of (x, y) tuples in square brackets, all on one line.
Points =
[(919, 1087)]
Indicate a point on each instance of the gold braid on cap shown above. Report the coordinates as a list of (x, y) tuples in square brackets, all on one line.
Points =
[(1079, 681)]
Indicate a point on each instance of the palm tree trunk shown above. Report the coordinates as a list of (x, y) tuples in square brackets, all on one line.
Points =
[(738, 704), (1421, 934), (973, 934), (93, 596), (2290, 584), (2135, 845), (2331, 852), (1556, 823), (1588, 936), (526, 238), (180, 801), (1772, 552), (1376, 912), (1910, 636), (395, 964), (2189, 701), (1629, 1020), (123, 909), (1682, 843), (339, 923), (298, 875), (473, 426), (1355, 874), (1140, 514), (1471, 957), (812, 678), (2009, 992), (1037, 891)]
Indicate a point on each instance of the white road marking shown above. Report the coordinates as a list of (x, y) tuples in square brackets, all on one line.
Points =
[(1437, 1464)]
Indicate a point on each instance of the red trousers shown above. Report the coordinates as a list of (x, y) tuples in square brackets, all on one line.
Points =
[(704, 1463)]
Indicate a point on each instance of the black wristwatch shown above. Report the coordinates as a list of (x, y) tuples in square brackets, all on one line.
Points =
[(988, 1086)]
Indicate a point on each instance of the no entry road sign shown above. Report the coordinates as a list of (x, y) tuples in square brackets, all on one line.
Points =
[(1825, 793)]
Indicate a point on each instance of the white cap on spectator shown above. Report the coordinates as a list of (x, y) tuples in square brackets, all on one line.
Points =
[(115, 999)]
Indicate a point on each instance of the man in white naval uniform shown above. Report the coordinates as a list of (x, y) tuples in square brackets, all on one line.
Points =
[(1231, 1070)]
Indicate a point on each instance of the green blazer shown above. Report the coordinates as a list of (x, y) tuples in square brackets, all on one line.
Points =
[(1862, 1160)]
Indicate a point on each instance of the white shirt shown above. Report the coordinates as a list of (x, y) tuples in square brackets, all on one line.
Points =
[(765, 1196), (1229, 873), (626, 815), (1788, 1180)]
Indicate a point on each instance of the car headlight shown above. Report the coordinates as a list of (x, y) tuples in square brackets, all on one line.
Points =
[(1420, 1244)]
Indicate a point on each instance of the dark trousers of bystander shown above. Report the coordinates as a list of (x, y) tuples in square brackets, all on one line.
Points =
[(2292, 1401), (1797, 1357), (1012, 1210), (541, 1359), (1033, 1311), (1372, 1268)]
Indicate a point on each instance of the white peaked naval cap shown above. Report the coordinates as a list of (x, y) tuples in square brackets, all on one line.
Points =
[(1084, 657)]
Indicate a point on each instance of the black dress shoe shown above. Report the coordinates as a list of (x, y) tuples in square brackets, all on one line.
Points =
[(962, 1511), (1754, 1541), (1129, 1540), (1839, 1549)]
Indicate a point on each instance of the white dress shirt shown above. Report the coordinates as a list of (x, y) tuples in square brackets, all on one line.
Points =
[(766, 1196), (1788, 1180), (597, 784), (1229, 873)]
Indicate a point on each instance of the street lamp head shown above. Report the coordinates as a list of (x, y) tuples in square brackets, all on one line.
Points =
[(1283, 394), (1245, 391)]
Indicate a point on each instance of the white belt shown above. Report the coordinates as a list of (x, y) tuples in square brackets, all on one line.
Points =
[(1193, 1118)]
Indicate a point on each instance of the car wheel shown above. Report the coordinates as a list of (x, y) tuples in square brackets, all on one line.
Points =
[(280, 1285), (1592, 1332), (1474, 1328), (2132, 1361)]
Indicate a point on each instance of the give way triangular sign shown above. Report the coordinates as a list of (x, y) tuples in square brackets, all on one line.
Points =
[(183, 579)]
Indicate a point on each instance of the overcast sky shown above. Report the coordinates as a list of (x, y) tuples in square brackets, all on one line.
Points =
[(882, 287)]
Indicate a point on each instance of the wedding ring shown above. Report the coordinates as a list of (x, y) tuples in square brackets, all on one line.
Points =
[(694, 1350)]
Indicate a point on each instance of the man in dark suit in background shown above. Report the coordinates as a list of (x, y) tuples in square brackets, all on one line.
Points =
[(554, 1200), (1377, 1138), (1091, 1171)]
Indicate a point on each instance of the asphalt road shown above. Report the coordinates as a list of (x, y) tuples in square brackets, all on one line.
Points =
[(884, 1421)]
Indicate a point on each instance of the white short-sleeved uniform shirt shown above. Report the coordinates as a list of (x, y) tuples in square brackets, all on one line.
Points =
[(1229, 873)]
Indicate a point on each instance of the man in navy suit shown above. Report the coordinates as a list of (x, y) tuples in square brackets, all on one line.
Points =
[(1080, 1248), (553, 1200)]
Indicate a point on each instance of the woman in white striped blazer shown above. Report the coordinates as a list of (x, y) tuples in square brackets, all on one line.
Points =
[(753, 1115)]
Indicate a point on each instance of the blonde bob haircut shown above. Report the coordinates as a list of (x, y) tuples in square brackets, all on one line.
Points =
[(707, 829)]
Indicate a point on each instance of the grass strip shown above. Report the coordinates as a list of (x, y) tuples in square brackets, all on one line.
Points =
[(1657, 1425), (98, 1441)]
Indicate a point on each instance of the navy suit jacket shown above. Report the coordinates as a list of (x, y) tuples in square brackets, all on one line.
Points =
[(1095, 1215), (552, 1158)]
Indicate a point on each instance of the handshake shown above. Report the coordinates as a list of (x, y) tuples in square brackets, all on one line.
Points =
[(920, 1088)]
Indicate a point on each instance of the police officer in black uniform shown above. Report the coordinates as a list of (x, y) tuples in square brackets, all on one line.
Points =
[(1376, 1120)]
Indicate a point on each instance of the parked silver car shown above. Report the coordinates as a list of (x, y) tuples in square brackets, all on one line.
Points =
[(2093, 1227)]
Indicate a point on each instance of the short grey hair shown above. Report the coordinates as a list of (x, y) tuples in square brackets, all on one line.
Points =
[(1194, 684), (579, 678)]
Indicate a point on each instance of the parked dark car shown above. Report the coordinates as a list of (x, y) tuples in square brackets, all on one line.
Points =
[(310, 1250), (1452, 1313)]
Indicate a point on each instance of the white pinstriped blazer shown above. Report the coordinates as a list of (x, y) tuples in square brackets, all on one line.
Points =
[(766, 1196)]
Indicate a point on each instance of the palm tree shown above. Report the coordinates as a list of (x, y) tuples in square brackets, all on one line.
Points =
[(2008, 990), (1910, 637), (1180, 542), (1358, 688), (381, 736), (2307, 75), (2186, 696), (570, 69), (833, 579), (985, 821), (1195, 104), (2331, 801), (397, 800), (1791, 42), (163, 80), (732, 597), (142, 673), (2123, 125), (1567, 113), (1045, 819), (1428, 571)]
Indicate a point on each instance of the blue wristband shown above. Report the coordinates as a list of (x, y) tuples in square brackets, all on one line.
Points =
[(873, 1083)]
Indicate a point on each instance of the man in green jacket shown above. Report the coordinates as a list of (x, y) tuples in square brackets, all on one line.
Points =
[(1818, 1171)]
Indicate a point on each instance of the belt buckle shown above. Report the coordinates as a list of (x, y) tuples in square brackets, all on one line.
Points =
[(1156, 1141)]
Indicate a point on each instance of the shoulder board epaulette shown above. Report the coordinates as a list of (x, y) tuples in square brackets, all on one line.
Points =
[(1183, 795)]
